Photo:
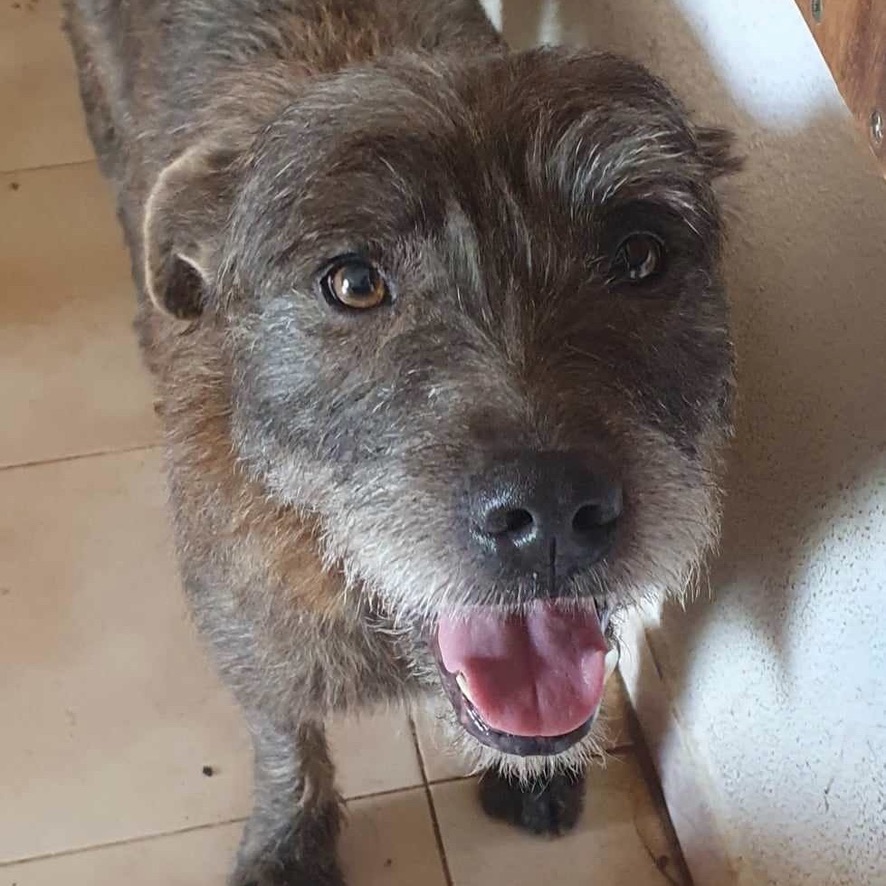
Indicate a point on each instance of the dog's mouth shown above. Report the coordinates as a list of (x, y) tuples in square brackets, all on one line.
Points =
[(527, 684)]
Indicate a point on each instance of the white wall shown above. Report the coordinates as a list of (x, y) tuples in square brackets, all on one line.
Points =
[(771, 735)]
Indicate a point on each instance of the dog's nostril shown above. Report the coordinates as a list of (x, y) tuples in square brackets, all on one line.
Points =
[(508, 522), (518, 520), (590, 517)]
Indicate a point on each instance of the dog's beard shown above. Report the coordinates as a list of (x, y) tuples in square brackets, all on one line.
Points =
[(414, 579), (478, 757)]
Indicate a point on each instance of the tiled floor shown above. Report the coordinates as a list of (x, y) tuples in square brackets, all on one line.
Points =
[(109, 710)]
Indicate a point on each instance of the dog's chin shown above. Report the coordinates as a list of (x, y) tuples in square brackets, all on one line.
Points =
[(526, 685)]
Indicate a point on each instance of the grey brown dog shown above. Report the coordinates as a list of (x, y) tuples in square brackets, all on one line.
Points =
[(442, 354)]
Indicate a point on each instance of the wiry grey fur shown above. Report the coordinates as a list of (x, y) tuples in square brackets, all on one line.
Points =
[(319, 460)]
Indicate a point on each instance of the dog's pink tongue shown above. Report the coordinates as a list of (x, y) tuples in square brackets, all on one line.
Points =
[(538, 675)]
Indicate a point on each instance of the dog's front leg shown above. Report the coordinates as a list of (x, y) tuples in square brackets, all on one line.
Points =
[(290, 840)]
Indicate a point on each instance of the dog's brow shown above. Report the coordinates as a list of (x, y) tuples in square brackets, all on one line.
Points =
[(595, 161)]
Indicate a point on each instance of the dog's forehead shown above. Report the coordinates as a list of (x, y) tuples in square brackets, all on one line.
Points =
[(547, 115), (528, 146)]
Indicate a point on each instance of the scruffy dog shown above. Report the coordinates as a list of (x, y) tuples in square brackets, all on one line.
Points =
[(442, 354)]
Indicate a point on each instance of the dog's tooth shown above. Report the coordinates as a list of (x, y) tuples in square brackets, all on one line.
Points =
[(462, 682), (610, 662)]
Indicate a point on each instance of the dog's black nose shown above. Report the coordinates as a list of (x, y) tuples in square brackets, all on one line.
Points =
[(546, 513)]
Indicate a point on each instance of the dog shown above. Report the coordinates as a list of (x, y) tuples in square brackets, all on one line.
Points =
[(442, 355)]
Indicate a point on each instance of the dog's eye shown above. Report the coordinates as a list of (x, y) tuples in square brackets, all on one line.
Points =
[(354, 283), (638, 257)]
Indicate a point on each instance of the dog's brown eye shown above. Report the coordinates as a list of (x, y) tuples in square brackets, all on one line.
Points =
[(355, 283), (638, 257)]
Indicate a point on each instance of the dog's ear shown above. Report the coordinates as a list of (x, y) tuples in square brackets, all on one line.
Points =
[(184, 219), (716, 147)]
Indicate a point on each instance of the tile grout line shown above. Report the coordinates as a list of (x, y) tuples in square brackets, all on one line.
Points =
[(25, 170), (78, 456), (388, 792), (435, 823), (176, 832), (125, 841)]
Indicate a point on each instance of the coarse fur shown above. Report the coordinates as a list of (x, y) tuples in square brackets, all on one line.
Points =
[(318, 459)]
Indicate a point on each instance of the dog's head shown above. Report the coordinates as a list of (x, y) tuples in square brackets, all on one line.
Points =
[(477, 329)]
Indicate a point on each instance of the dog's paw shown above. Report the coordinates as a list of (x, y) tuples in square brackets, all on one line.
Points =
[(290, 851), (546, 806), (290, 874), (317, 868)]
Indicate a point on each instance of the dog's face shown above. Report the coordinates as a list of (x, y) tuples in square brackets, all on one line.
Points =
[(477, 330)]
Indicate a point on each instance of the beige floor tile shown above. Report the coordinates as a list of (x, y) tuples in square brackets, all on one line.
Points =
[(71, 379), (441, 763), (40, 113), (373, 753), (110, 708), (388, 841), (194, 858), (621, 839)]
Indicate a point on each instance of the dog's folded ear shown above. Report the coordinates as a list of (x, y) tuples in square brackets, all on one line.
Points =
[(716, 147), (185, 216)]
